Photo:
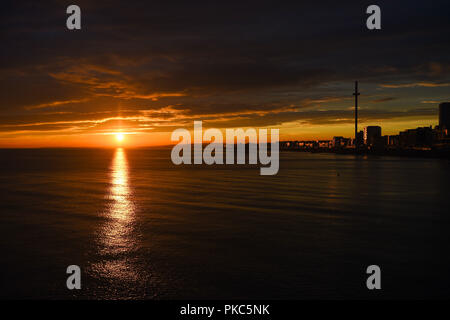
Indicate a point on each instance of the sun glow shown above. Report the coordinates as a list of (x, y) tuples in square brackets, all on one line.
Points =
[(119, 137)]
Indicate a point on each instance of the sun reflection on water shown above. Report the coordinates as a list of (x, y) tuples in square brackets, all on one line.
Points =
[(117, 237), (122, 208)]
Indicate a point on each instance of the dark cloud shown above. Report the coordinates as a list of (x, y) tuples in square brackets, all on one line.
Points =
[(384, 99), (231, 63)]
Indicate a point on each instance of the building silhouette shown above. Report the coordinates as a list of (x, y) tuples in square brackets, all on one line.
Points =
[(419, 137), (422, 139), (444, 115), (372, 135)]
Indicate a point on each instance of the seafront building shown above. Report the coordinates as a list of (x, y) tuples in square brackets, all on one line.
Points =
[(371, 138)]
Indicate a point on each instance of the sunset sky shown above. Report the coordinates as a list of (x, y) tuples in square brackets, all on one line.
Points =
[(146, 69)]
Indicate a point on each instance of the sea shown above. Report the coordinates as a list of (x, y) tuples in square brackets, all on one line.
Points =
[(140, 227)]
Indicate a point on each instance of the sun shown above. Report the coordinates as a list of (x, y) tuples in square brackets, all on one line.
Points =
[(119, 137)]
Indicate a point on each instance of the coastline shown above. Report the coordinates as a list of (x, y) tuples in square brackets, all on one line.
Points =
[(439, 153)]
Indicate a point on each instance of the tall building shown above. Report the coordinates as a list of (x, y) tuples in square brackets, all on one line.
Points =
[(444, 115), (372, 135)]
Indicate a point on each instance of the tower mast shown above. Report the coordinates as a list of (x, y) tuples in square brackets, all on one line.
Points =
[(356, 94)]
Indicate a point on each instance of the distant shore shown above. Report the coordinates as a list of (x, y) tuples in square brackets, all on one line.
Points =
[(411, 152)]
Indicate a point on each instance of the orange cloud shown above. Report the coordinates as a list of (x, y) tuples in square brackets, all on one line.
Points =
[(416, 84), (55, 104)]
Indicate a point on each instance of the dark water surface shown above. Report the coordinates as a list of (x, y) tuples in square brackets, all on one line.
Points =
[(141, 227)]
